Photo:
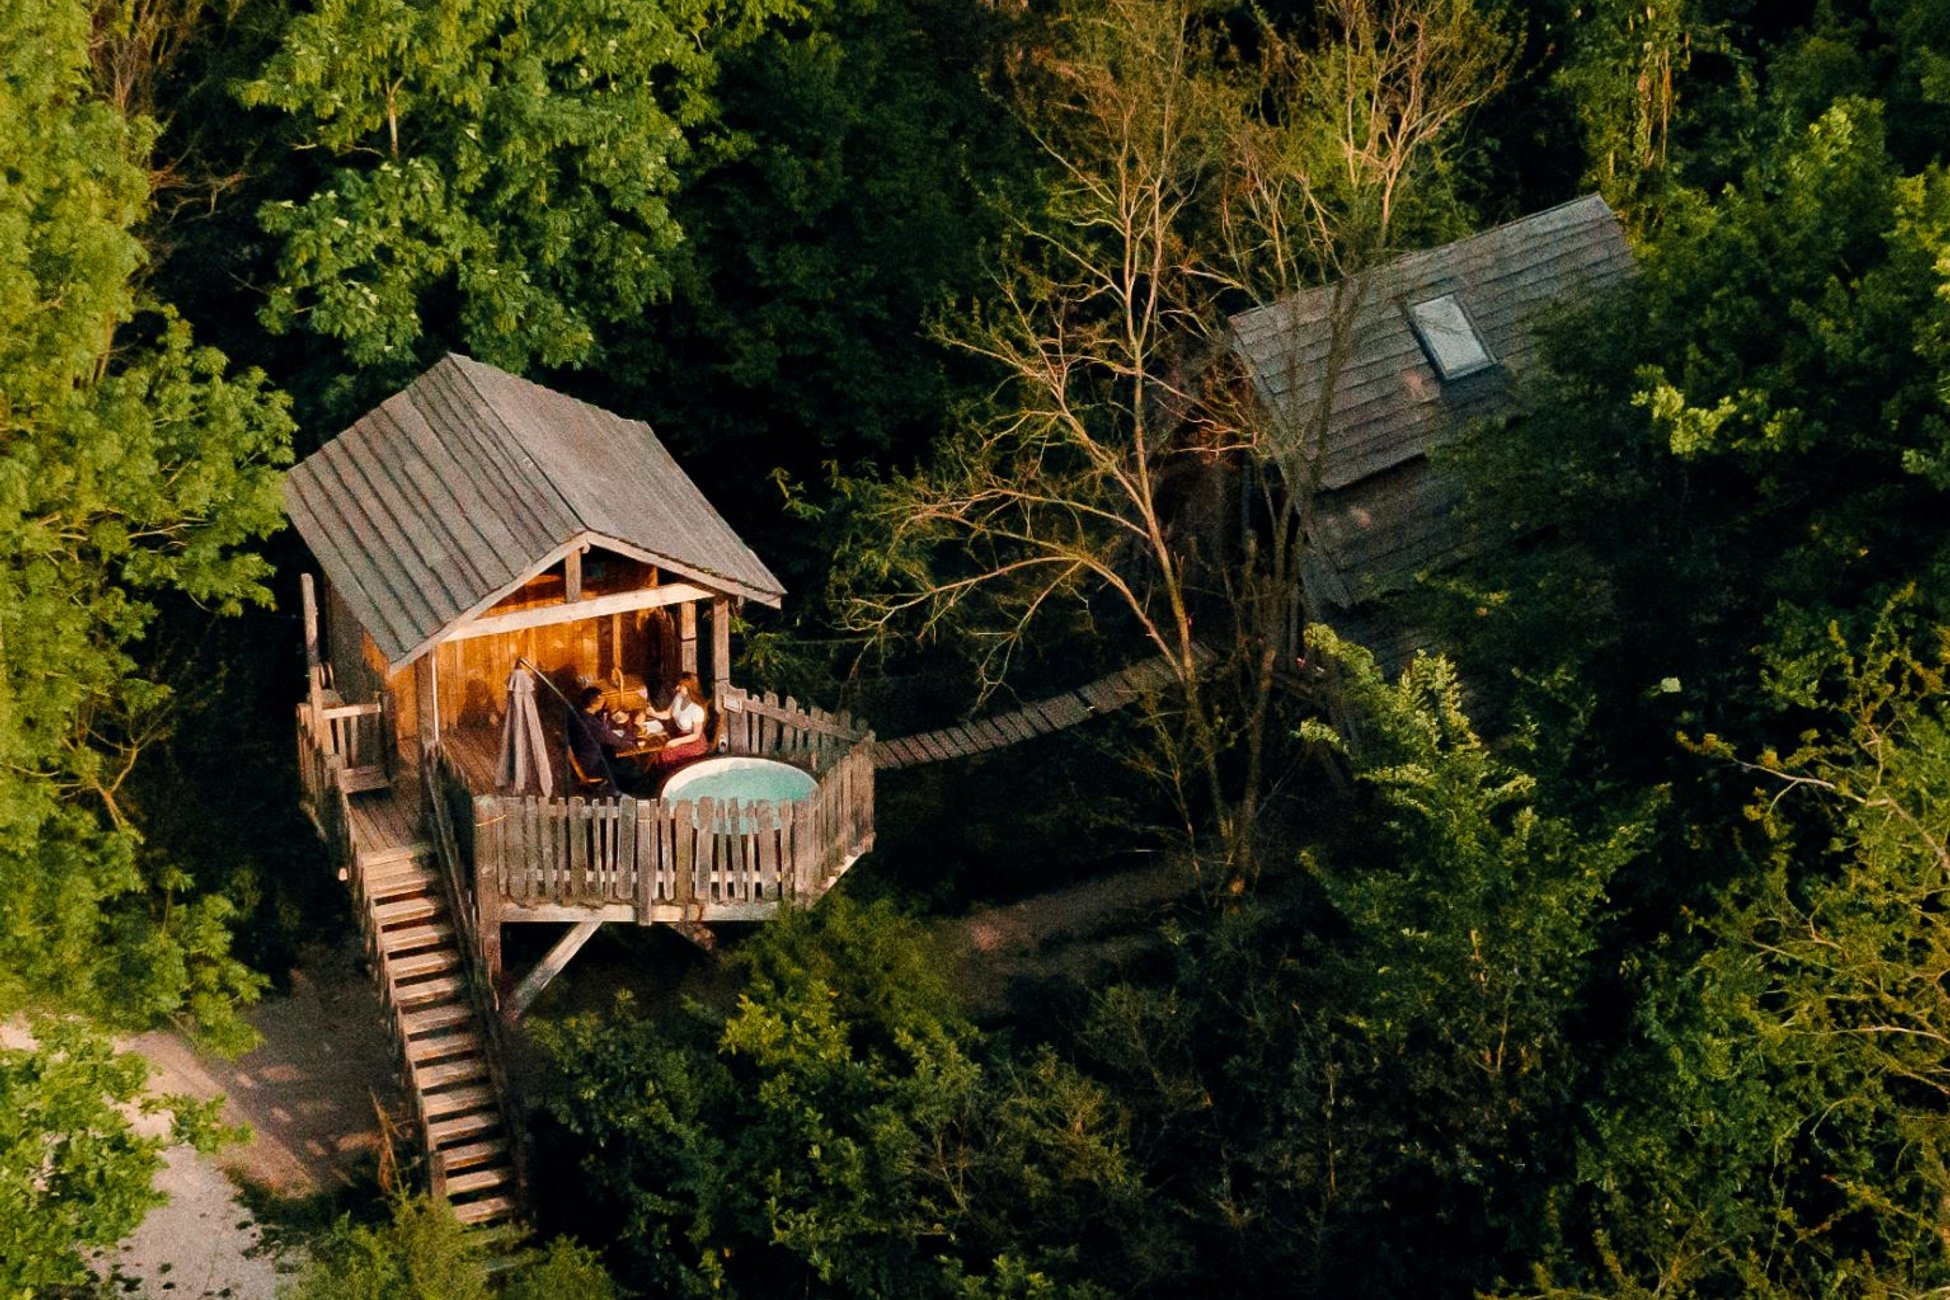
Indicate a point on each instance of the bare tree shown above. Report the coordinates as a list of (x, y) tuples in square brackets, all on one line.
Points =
[(136, 47), (1313, 194), (135, 44), (1181, 183)]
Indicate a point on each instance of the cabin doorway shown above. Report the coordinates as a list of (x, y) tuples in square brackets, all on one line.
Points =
[(661, 647)]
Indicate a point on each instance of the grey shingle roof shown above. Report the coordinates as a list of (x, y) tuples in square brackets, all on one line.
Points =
[(455, 489), (1382, 512)]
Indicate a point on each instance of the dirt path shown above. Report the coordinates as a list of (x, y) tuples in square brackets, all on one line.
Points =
[(1061, 932), (307, 1093)]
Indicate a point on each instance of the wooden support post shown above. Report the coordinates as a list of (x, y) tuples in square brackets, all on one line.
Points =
[(489, 926), (549, 967), (314, 658), (572, 576), (490, 839), (687, 634), (720, 646), (697, 933), (426, 694)]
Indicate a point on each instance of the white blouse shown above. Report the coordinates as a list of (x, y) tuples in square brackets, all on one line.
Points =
[(686, 716)]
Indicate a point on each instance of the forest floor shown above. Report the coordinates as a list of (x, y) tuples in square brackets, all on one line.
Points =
[(310, 1094), (1074, 933)]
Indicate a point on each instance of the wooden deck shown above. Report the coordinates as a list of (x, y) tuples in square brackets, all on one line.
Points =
[(982, 735), (476, 752), (384, 822), (647, 861)]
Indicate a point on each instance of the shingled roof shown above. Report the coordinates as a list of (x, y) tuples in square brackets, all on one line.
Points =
[(1382, 514), (457, 489)]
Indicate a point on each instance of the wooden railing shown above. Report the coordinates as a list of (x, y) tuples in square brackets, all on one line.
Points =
[(784, 729), (322, 788), (357, 735), (703, 857), (358, 732), (442, 781), (317, 771)]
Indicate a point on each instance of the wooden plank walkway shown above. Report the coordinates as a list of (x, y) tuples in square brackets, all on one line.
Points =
[(385, 821), (1038, 718)]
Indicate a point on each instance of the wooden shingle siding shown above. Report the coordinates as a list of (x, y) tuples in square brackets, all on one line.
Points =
[(1383, 513), (1381, 532), (1389, 403), (470, 480)]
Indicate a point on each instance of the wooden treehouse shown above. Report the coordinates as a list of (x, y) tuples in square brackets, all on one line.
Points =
[(474, 532)]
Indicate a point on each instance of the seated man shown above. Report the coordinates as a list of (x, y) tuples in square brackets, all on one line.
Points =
[(594, 739)]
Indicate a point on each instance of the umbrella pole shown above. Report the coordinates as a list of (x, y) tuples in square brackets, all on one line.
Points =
[(609, 768)]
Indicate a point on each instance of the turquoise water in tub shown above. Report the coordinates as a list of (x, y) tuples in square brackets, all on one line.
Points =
[(740, 778)]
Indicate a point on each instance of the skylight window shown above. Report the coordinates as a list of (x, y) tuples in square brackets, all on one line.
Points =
[(1446, 334)]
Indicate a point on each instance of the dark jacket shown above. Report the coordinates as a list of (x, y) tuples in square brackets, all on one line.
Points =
[(591, 737)]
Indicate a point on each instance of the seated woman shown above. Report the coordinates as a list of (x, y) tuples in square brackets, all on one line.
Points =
[(593, 741), (688, 716)]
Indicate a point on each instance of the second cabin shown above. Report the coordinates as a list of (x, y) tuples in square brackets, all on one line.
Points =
[(493, 554)]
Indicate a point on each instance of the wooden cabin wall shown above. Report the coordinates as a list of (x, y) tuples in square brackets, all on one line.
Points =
[(345, 650), (603, 572), (405, 701), (469, 677), (474, 672)]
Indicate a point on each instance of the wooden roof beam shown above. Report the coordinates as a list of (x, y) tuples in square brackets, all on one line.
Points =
[(622, 602)]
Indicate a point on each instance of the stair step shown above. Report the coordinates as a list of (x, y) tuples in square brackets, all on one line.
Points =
[(423, 1022), (398, 884), (462, 1126), (412, 909), (453, 1101), (440, 988), (392, 853), (422, 1050), (473, 1153), (480, 1180), (431, 961), (465, 1070), (393, 942), (494, 1209), (359, 780)]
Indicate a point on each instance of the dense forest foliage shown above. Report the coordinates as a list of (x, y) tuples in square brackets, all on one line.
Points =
[(1600, 953)]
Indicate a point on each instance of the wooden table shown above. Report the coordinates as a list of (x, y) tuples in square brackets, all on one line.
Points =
[(644, 751)]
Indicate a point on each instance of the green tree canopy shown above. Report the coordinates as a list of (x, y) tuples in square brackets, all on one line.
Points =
[(132, 464), (1359, 1082), (496, 176), (1750, 437), (842, 1132), (74, 1172), (1776, 1128), (423, 1252)]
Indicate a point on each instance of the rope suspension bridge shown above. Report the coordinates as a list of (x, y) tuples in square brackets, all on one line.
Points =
[(1105, 695)]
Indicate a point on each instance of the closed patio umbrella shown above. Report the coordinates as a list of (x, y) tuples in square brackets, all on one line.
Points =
[(524, 751)]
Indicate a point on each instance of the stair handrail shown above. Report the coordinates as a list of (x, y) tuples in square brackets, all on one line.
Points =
[(481, 992)]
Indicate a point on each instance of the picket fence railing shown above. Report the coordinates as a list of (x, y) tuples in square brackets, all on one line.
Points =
[(704, 857)]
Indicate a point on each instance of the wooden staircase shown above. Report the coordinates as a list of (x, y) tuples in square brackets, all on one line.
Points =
[(437, 1026)]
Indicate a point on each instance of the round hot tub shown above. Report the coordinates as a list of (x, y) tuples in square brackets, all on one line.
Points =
[(748, 780)]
